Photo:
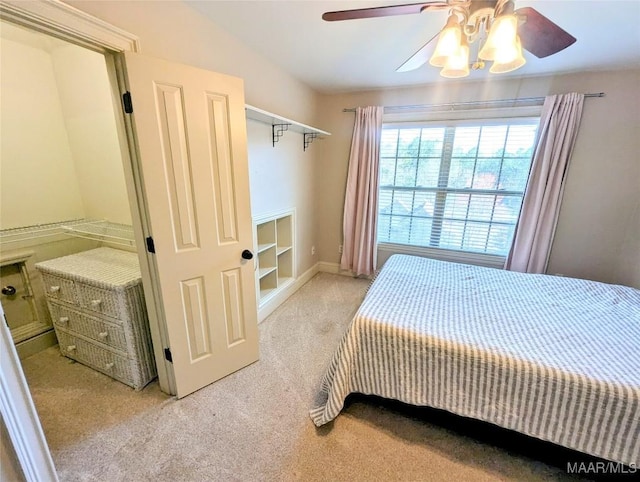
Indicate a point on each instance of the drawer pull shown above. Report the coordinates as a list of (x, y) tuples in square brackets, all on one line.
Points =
[(103, 334), (71, 348), (95, 303), (64, 319), (54, 289), (108, 366)]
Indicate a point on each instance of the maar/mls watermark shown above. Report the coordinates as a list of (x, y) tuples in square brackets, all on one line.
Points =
[(600, 468)]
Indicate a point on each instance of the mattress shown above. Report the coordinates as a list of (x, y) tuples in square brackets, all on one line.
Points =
[(551, 357)]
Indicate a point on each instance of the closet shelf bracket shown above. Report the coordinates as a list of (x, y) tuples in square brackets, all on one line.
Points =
[(279, 125), (277, 131), (308, 139)]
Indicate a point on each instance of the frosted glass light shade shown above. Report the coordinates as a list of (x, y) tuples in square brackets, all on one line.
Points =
[(501, 40), (457, 64), (448, 42), (500, 67)]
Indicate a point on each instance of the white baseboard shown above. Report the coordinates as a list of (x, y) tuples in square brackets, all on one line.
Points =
[(277, 299), (334, 268), (36, 344), (326, 267)]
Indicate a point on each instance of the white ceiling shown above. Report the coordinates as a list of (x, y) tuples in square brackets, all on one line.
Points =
[(363, 54)]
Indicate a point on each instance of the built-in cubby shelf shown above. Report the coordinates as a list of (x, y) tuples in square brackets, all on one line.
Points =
[(275, 248), (280, 125)]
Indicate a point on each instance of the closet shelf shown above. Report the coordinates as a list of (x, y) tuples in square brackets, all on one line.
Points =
[(101, 230), (279, 125)]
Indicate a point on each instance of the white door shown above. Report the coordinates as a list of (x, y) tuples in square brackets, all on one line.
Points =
[(191, 138)]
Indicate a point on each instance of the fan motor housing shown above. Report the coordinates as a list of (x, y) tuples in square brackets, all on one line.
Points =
[(481, 8)]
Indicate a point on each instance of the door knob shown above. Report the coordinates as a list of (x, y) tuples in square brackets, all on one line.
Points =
[(246, 254), (10, 290)]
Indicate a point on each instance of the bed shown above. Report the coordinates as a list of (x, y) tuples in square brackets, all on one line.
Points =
[(551, 357)]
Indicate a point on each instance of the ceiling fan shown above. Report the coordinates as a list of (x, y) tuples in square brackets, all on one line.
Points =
[(471, 20)]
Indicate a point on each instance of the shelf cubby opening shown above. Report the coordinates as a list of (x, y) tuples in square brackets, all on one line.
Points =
[(275, 239), (268, 284)]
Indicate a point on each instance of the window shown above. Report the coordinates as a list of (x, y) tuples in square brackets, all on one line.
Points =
[(455, 186)]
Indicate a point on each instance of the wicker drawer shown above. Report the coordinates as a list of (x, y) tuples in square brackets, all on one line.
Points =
[(59, 288), (105, 361), (102, 301), (73, 321), (97, 304)]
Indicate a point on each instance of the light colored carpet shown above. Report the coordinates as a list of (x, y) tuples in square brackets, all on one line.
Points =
[(254, 425)]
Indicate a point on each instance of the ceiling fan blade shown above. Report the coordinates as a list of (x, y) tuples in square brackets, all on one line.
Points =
[(541, 36), (382, 11), (418, 59)]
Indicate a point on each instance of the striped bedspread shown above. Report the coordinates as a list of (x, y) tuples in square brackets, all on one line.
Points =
[(554, 358)]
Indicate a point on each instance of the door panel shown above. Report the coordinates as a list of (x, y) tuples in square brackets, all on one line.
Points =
[(191, 136), (178, 171), (223, 174), (232, 287)]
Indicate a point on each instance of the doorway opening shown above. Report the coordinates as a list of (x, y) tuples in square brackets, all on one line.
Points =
[(199, 278), (63, 186), (63, 192)]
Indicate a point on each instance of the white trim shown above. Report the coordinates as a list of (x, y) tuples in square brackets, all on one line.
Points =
[(334, 268), (273, 215), (36, 344), (19, 414), (64, 21), (327, 267), (137, 201), (272, 303)]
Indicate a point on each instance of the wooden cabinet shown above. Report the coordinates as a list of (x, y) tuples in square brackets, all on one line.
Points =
[(275, 250)]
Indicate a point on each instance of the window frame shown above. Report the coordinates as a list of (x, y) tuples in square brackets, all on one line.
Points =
[(494, 117)]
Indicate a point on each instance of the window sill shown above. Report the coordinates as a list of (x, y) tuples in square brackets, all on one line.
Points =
[(385, 250)]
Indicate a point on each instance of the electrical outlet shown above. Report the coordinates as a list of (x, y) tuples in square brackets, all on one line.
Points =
[(340, 248), (313, 250)]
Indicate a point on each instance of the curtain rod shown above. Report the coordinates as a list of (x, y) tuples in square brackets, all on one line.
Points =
[(453, 105)]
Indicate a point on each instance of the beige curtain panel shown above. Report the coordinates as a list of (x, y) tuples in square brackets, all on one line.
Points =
[(557, 134), (361, 197)]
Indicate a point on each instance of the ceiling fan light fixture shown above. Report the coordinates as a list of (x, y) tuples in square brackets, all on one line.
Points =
[(500, 67), (457, 64), (501, 39), (448, 42), (495, 24)]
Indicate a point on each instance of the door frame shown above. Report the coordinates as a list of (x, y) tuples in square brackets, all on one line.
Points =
[(63, 21), (19, 414)]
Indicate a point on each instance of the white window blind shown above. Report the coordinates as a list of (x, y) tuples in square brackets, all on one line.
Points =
[(454, 185)]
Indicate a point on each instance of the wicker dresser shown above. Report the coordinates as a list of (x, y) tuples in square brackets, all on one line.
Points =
[(97, 306)]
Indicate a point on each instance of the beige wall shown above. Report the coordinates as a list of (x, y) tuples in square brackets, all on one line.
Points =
[(38, 182), (87, 106), (174, 31), (598, 234), (281, 176), (61, 156), (595, 237)]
